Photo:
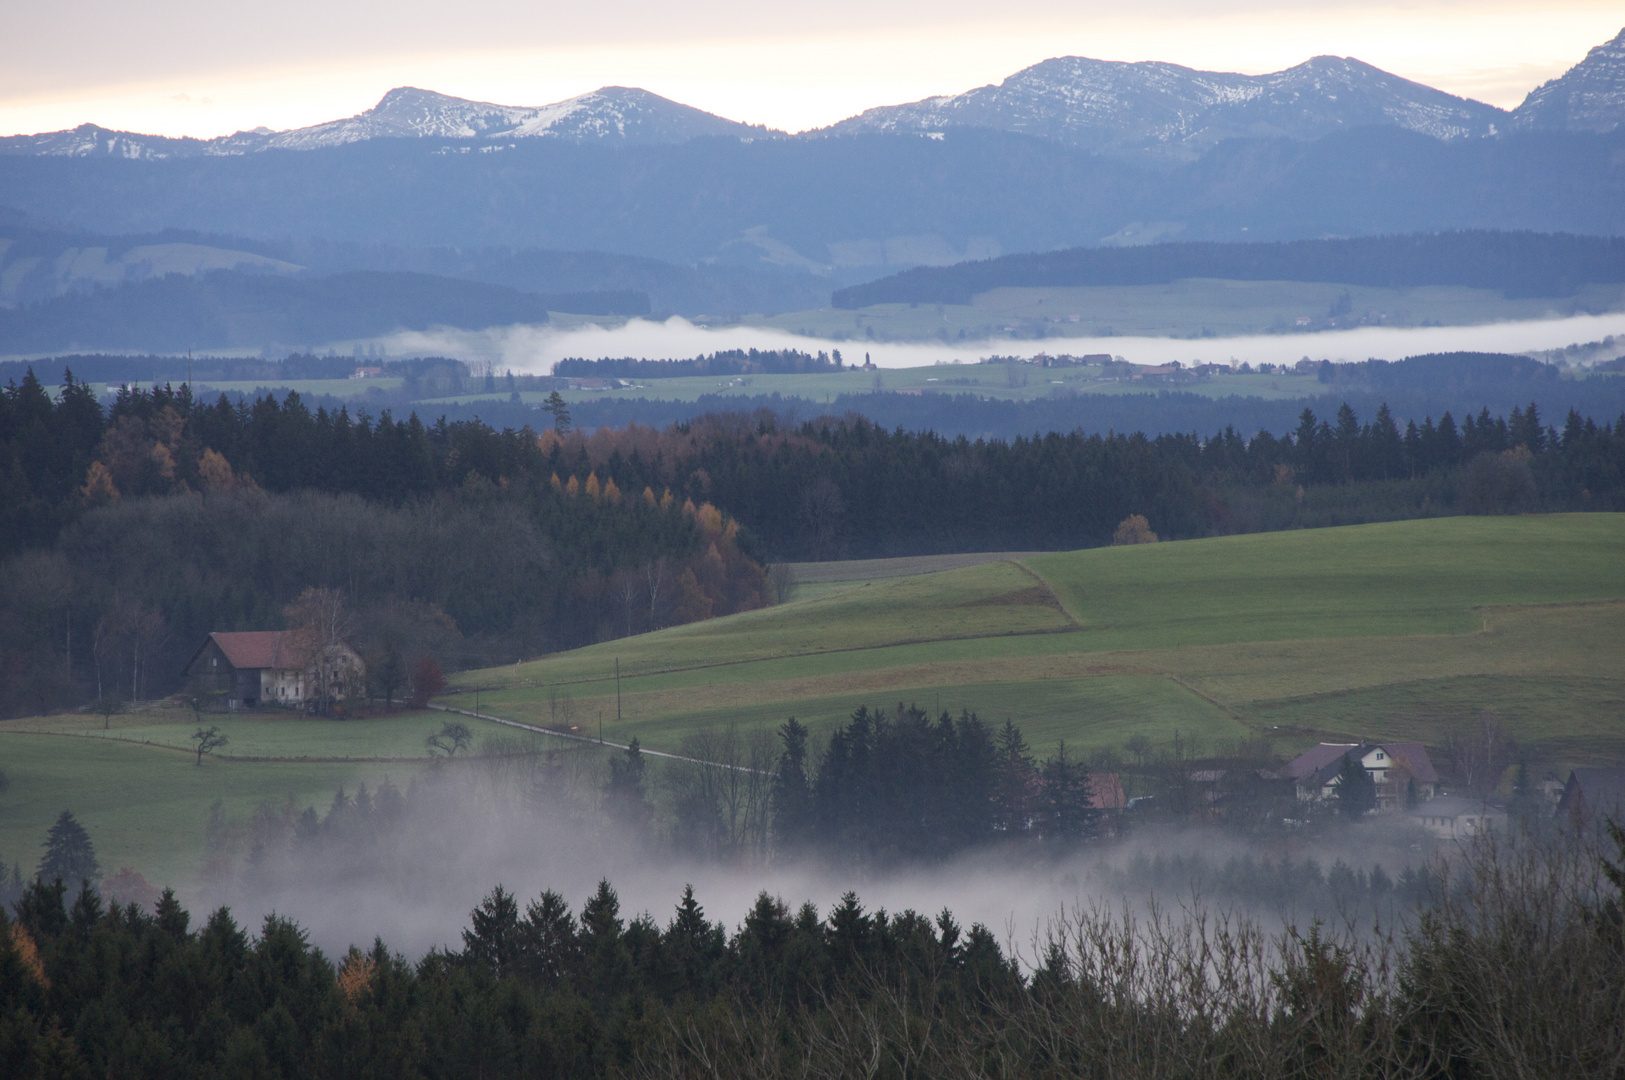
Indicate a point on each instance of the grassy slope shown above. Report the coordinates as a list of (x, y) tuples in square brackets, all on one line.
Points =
[(1412, 577), (1226, 637)]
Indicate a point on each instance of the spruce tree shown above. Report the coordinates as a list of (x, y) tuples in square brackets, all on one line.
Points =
[(624, 800), (69, 854), (792, 790), (1356, 791)]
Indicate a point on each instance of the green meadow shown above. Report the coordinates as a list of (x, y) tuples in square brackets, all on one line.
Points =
[(1236, 637), (138, 788), (1398, 630)]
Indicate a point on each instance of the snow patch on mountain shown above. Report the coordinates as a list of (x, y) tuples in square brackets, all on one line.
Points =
[(1180, 112), (612, 113), (1590, 96)]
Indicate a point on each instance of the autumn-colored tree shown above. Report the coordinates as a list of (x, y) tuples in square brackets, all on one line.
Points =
[(1134, 529), (214, 472), (427, 681)]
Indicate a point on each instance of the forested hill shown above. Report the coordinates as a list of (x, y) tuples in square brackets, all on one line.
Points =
[(227, 309), (1516, 263), (193, 517)]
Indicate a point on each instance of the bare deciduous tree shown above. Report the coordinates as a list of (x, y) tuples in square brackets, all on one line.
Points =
[(1481, 754), (781, 580), (319, 623), (207, 741)]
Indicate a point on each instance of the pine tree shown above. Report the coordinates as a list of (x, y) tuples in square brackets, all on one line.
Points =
[(1017, 779), (624, 800), (792, 792), (1356, 791), (1063, 797), (69, 854)]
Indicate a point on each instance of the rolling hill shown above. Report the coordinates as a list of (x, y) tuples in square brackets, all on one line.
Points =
[(1399, 630)]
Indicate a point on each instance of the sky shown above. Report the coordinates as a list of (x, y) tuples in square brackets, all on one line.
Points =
[(203, 68)]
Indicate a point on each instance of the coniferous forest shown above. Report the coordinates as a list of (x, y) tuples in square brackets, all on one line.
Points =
[(1512, 965), (130, 532)]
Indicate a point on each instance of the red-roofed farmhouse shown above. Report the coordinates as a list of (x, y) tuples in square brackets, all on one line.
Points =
[(247, 669)]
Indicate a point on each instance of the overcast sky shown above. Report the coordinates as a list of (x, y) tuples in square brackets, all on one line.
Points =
[(203, 67)]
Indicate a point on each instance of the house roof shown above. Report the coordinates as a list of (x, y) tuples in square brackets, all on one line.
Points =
[(251, 649), (1600, 789), (1106, 791), (1312, 761), (1414, 756)]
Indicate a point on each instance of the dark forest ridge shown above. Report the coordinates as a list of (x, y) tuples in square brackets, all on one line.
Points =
[(1517, 263)]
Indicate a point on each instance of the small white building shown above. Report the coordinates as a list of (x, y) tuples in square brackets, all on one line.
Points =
[(1452, 818)]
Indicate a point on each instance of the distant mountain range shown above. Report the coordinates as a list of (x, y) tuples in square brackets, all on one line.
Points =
[(613, 113), (1167, 110), (622, 191), (1164, 110), (1147, 108)]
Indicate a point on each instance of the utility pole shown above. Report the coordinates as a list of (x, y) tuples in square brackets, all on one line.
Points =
[(617, 689), (600, 727)]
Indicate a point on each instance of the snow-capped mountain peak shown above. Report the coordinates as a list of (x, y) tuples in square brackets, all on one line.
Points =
[(1590, 96), (1175, 111), (611, 113)]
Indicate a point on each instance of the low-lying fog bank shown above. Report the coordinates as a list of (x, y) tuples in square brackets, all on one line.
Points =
[(534, 349), (410, 869)]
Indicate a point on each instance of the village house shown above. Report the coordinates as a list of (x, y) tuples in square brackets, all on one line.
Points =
[(248, 669), (1452, 818), (1402, 772), (1590, 792)]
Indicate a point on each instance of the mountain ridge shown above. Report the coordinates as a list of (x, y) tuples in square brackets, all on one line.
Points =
[(1150, 109), (626, 114), (1590, 96), (1167, 109)]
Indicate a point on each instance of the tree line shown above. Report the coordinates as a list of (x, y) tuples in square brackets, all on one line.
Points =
[(1516, 966), (901, 787), (721, 362)]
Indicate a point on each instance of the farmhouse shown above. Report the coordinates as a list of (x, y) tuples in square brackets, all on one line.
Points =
[(250, 668), (1402, 772)]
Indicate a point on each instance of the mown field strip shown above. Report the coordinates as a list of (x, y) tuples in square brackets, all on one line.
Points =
[(877, 569)]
